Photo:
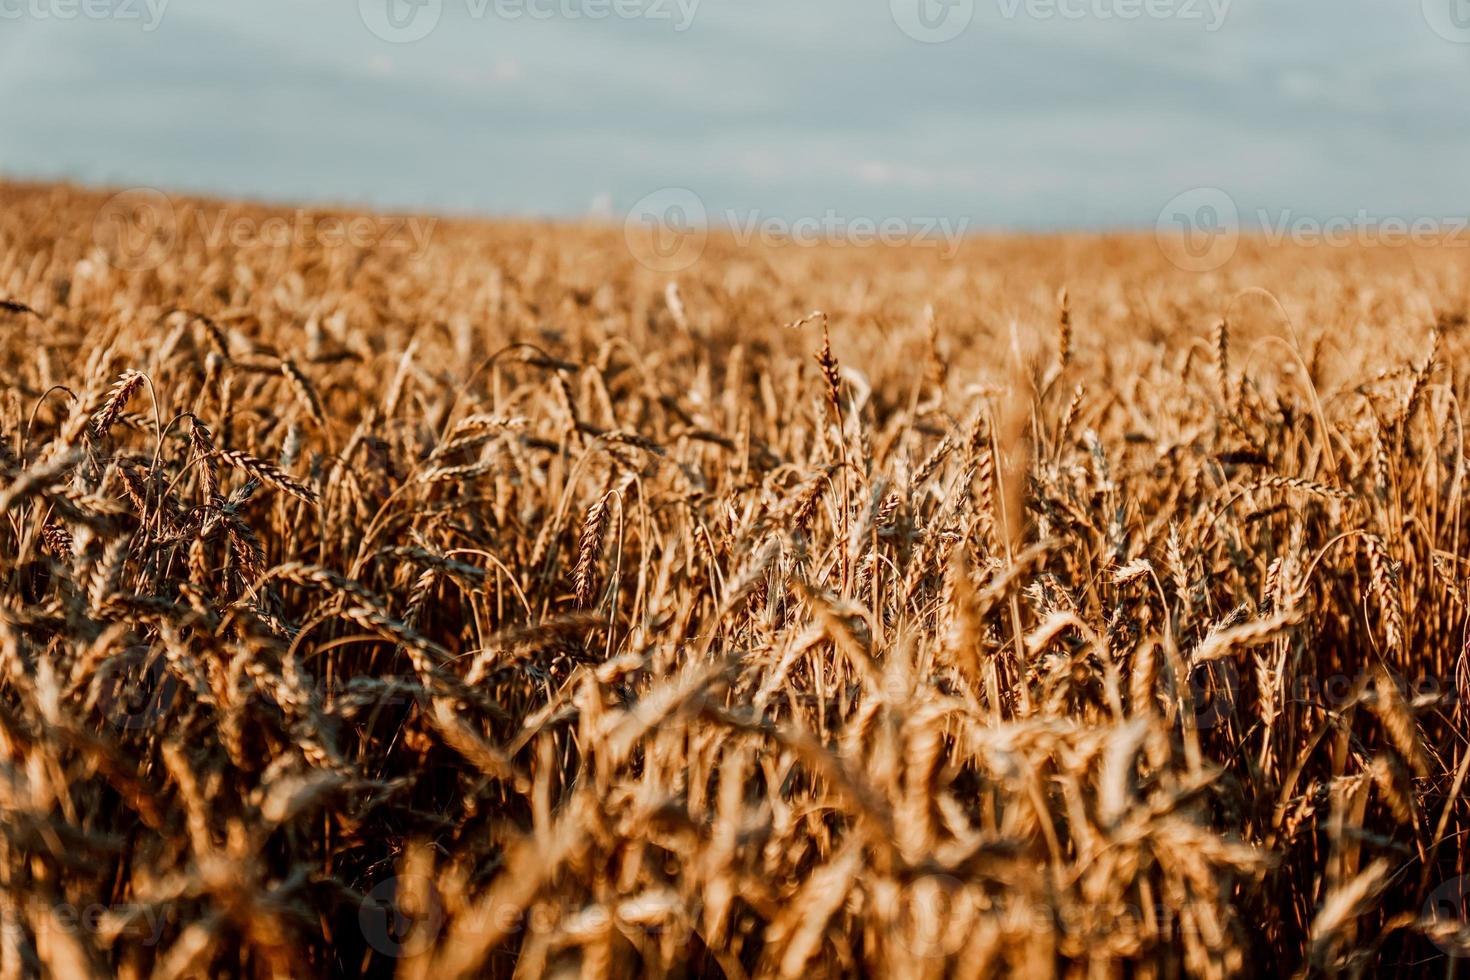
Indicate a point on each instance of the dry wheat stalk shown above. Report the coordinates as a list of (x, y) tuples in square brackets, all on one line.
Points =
[(123, 389), (462, 718), (268, 474), (589, 549)]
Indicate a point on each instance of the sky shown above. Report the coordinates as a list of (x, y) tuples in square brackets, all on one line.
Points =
[(1016, 114)]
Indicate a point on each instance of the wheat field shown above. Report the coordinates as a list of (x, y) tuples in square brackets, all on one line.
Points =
[(505, 608)]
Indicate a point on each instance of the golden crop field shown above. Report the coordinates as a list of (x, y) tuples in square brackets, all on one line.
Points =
[(490, 604)]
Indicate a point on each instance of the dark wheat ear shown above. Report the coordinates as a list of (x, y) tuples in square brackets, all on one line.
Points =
[(589, 549), (58, 539), (802, 507), (827, 362), (11, 306), (305, 392), (214, 334), (1385, 590), (1064, 328), (117, 401), (268, 474), (201, 446), (1222, 362)]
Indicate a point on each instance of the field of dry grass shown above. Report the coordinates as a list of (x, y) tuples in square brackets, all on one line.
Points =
[(504, 608)]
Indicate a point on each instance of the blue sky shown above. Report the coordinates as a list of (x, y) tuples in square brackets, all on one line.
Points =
[(1036, 114)]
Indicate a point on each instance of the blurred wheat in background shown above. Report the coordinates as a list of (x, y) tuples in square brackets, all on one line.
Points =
[(503, 608)]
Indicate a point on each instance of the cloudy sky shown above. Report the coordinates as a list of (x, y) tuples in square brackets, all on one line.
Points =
[(1007, 113)]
